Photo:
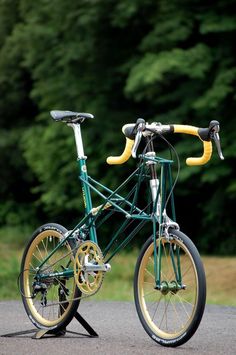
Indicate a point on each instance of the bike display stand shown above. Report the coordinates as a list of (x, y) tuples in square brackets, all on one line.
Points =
[(39, 334)]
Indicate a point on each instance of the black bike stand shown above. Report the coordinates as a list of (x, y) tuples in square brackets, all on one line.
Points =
[(42, 332)]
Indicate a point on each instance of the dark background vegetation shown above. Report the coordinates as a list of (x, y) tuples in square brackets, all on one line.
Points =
[(168, 61)]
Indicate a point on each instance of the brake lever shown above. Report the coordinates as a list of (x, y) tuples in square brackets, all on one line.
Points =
[(214, 135), (140, 127)]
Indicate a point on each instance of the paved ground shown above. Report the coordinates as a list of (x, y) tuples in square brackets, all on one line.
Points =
[(120, 332)]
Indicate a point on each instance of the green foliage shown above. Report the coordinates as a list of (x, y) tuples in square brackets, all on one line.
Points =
[(153, 68), (172, 62)]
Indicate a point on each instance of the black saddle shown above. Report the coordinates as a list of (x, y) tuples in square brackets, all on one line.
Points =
[(70, 116)]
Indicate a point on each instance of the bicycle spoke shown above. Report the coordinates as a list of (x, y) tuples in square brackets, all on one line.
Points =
[(36, 258), (34, 269), (164, 314), (176, 314), (148, 272), (157, 306), (45, 248), (42, 258), (186, 271), (149, 283), (149, 293), (184, 308)]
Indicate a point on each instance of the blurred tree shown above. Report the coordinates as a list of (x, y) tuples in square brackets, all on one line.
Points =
[(187, 71), (17, 110), (166, 61)]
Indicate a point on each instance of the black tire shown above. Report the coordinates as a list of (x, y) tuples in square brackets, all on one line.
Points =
[(170, 318), (55, 310)]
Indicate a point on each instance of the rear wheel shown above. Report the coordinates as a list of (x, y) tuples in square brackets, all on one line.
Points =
[(48, 301), (170, 313)]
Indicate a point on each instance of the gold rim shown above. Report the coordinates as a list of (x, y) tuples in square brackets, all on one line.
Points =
[(48, 311), (169, 314)]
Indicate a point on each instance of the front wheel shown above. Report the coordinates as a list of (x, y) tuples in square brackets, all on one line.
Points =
[(170, 311)]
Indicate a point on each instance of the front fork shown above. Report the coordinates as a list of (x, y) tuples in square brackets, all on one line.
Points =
[(160, 199)]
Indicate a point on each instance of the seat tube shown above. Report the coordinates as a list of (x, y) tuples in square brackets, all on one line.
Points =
[(81, 159)]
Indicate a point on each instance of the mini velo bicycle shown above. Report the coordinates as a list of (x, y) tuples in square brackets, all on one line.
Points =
[(61, 267)]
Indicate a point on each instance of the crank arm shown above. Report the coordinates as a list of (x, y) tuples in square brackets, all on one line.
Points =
[(89, 267)]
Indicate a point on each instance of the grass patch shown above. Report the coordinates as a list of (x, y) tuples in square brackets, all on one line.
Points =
[(9, 270), (221, 280), (15, 237), (118, 284)]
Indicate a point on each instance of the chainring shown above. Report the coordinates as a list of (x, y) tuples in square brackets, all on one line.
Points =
[(88, 282)]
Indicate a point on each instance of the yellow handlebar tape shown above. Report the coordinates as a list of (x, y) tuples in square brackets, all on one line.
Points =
[(207, 151), (124, 156), (207, 145), (181, 128)]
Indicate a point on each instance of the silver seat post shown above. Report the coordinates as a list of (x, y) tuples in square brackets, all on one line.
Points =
[(78, 140)]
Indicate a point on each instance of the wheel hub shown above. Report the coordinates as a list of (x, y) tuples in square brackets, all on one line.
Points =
[(171, 286)]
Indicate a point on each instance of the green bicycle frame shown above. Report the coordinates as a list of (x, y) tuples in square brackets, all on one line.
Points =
[(154, 212)]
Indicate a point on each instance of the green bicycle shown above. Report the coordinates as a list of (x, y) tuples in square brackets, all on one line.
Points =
[(61, 267)]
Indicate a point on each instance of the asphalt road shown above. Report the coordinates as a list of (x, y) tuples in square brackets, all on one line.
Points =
[(120, 332)]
